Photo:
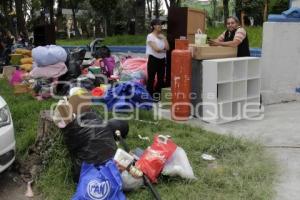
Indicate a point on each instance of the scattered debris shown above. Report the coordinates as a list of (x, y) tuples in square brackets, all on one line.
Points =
[(144, 138), (207, 157), (29, 192)]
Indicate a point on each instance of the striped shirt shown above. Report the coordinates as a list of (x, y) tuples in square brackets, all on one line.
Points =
[(240, 35)]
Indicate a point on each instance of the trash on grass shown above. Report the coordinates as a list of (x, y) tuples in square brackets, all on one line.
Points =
[(154, 157), (144, 138), (207, 157), (179, 165), (29, 192), (131, 183)]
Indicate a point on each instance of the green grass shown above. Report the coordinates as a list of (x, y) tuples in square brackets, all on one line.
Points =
[(245, 170), (121, 40), (254, 33)]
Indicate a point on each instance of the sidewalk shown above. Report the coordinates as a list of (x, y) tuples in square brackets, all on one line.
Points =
[(279, 132)]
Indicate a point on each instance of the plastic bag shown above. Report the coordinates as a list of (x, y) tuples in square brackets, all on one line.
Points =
[(99, 183), (154, 157), (49, 55), (130, 183), (179, 165), (91, 143)]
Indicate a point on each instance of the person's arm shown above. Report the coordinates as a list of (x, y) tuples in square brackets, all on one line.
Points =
[(233, 43), (167, 46), (155, 48), (240, 35)]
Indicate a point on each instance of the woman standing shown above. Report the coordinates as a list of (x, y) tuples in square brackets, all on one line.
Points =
[(156, 48)]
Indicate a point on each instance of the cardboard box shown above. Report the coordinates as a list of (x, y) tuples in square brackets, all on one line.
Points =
[(212, 52), (22, 89), (76, 104), (8, 72)]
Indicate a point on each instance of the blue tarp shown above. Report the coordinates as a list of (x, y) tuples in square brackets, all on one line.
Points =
[(125, 97), (290, 15)]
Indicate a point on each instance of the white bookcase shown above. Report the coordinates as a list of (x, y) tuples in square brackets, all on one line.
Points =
[(228, 85)]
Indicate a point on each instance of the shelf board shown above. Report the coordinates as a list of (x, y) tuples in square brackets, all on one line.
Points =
[(222, 82), (254, 77), (253, 97), (238, 80), (225, 101), (239, 99)]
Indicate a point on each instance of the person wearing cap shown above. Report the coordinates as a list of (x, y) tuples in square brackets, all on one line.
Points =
[(156, 47), (234, 36)]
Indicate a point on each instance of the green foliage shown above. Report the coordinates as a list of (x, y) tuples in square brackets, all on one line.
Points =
[(103, 6), (278, 6)]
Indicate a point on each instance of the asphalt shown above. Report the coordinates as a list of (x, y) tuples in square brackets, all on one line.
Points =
[(279, 132)]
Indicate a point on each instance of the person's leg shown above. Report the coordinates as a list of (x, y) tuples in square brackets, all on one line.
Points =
[(161, 72), (151, 74)]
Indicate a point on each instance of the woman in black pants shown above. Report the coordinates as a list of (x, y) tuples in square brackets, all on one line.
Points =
[(156, 48)]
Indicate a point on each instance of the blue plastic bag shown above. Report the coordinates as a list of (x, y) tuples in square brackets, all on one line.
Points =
[(99, 183), (128, 95)]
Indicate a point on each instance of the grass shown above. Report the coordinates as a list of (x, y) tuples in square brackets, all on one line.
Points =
[(245, 170), (254, 33)]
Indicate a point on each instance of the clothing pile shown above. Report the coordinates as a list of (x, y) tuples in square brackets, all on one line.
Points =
[(48, 66), (134, 70)]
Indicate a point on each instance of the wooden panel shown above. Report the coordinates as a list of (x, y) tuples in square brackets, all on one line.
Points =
[(191, 38), (195, 20)]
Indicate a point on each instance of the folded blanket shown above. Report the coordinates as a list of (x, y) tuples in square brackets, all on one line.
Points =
[(50, 71)]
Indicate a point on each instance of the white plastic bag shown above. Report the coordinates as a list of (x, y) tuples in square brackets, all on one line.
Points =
[(179, 165), (130, 183), (200, 38), (48, 55)]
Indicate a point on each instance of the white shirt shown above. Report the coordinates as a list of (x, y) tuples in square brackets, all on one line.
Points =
[(159, 43)]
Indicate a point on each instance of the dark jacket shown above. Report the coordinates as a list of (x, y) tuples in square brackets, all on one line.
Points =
[(243, 48)]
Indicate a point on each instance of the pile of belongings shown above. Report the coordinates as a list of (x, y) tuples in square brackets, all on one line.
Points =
[(103, 62), (48, 66), (102, 169), (135, 70)]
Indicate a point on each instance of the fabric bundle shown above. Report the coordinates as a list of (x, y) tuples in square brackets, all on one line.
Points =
[(50, 71)]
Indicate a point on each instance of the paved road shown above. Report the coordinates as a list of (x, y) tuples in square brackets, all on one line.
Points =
[(279, 131)]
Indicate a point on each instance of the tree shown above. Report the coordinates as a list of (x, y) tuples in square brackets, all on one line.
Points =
[(74, 6), (226, 10), (140, 16), (105, 8), (250, 8), (150, 8), (20, 17), (172, 3)]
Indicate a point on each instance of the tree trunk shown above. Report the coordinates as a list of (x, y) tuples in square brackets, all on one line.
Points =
[(140, 16), (149, 7), (242, 18), (156, 9), (20, 17), (51, 12), (59, 17), (226, 10), (74, 19), (266, 10)]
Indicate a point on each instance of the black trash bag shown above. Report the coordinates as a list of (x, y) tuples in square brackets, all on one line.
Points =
[(120, 125), (74, 62), (91, 143)]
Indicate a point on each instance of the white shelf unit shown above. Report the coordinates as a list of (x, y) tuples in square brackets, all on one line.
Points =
[(228, 85)]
